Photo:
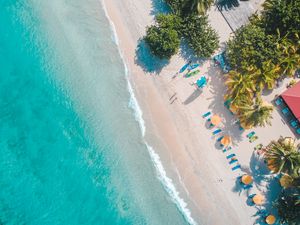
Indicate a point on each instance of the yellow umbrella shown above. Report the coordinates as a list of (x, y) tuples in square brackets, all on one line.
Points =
[(270, 219), (226, 140), (233, 108), (215, 120), (247, 179), (258, 199)]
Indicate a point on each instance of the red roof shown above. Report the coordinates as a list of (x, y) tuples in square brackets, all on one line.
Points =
[(292, 98)]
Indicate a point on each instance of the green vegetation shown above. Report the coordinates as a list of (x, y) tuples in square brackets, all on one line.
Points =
[(283, 157), (200, 36), (265, 50), (164, 37)]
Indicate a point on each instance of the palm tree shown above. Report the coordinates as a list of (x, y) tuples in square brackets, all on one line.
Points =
[(239, 86), (258, 113), (197, 6), (283, 156), (288, 181), (268, 75), (290, 58)]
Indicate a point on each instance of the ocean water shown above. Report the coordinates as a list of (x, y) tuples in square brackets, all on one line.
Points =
[(71, 131)]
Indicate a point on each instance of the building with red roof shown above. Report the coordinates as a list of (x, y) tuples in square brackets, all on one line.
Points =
[(292, 99)]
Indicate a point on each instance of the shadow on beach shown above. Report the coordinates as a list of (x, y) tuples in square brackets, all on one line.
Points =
[(188, 54), (197, 92), (227, 4), (216, 106), (148, 61), (159, 6)]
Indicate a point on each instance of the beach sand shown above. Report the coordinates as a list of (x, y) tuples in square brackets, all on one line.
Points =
[(172, 110)]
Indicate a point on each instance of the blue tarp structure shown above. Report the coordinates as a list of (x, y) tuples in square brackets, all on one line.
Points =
[(201, 82), (221, 60)]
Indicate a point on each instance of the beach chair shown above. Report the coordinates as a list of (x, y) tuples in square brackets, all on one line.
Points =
[(206, 114), (232, 161), (246, 187), (220, 138), (285, 111), (230, 156), (278, 101), (236, 167), (216, 131), (227, 149), (294, 123), (252, 139), (250, 134)]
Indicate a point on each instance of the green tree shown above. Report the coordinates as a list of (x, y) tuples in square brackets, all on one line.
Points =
[(238, 86), (290, 55), (283, 156), (267, 76), (197, 6), (201, 38), (288, 207), (163, 38), (251, 47), (283, 15), (258, 113)]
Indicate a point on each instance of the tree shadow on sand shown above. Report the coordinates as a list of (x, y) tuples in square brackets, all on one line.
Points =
[(145, 59), (227, 4), (216, 106), (188, 54), (159, 6)]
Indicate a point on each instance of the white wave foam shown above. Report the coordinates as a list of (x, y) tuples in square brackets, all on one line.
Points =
[(161, 173), (169, 186)]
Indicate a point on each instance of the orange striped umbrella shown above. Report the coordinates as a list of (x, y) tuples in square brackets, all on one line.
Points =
[(226, 140), (270, 219), (215, 120), (247, 179), (258, 199)]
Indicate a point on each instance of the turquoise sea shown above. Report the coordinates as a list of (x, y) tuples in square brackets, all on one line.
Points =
[(72, 150)]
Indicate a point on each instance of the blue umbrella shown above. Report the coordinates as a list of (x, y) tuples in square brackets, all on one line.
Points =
[(201, 82)]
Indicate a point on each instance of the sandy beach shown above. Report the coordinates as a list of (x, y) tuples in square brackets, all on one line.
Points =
[(173, 109)]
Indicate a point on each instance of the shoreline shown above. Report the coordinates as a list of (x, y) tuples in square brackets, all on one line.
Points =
[(160, 170), (176, 131)]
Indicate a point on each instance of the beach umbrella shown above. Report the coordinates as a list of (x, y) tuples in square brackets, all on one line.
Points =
[(258, 199), (215, 120), (247, 179), (270, 219), (233, 108), (226, 140)]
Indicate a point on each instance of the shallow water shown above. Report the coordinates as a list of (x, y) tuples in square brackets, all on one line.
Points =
[(71, 149)]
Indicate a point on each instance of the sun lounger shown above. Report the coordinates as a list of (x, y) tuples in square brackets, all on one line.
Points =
[(252, 139), (294, 123), (216, 131), (220, 138), (246, 187), (206, 114), (285, 111), (236, 167), (227, 149), (278, 101), (250, 134), (230, 156), (232, 161)]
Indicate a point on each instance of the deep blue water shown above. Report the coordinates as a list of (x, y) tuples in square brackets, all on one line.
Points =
[(71, 149)]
